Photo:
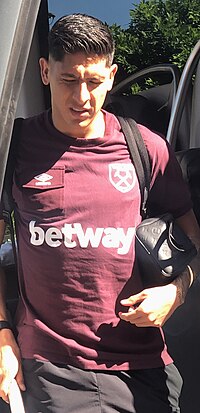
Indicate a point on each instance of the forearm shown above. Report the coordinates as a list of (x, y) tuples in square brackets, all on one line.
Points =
[(190, 226), (182, 284), (10, 360), (3, 311), (186, 279)]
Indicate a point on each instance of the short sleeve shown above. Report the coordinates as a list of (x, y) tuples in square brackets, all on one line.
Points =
[(169, 192)]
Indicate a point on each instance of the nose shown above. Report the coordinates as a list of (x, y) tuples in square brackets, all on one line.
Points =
[(81, 93)]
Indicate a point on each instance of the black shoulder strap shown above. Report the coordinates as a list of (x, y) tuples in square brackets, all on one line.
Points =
[(139, 156), (7, 199)]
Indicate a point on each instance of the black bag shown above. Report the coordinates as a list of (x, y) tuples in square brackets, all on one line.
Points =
[(163, 250)]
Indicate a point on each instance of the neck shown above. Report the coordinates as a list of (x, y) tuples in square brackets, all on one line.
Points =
[(97, 129)]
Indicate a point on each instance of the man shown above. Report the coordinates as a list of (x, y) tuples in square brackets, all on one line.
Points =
[(85, 346)]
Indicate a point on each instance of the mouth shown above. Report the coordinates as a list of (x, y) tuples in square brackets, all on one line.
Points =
[(80, 113)]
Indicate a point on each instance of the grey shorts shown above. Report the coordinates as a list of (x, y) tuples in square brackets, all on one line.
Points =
[(66, 389)]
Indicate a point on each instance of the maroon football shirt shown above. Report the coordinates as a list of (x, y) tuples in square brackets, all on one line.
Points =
[(78, 204)]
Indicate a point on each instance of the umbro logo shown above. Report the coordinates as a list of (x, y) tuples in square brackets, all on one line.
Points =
[(122, 176), (43, 179)]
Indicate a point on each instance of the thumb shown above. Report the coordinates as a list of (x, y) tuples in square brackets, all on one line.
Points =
[(20, 379)]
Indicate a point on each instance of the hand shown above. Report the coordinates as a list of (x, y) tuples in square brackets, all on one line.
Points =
[(10, 364), (151, 307)]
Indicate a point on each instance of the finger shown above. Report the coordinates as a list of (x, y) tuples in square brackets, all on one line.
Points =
[(4, 398), (5, 387), (134, 315), (134, 300), (20, 379), (137, 319), (131, 316)]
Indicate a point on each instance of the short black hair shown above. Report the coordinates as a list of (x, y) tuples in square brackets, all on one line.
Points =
[(77, 33)]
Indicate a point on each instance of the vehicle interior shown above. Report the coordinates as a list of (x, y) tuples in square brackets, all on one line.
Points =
[(147, 96), (160, 98)]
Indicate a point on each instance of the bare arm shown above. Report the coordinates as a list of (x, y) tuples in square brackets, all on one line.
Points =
[(10, 361), (155, 305), (2, 279), (190, 226)]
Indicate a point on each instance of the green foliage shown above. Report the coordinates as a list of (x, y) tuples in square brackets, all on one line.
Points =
[(160, 31)]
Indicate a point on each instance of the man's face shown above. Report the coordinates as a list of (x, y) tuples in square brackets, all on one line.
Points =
[(79, 85)]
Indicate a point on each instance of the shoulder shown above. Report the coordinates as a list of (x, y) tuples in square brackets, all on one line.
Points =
[(27, 130), (161, 153), (32, 120), (158, 148), (155, 143)]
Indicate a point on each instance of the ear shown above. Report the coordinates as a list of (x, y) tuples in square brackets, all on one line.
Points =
[(113, 71), (44, 70)]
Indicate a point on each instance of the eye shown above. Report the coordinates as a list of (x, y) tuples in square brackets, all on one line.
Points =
[(70, 80), (95, 82)]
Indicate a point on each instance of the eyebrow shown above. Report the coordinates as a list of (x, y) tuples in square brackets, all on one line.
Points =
[(72, 76)]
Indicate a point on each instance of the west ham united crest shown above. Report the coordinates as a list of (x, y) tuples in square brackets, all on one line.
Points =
[(122, 176)]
